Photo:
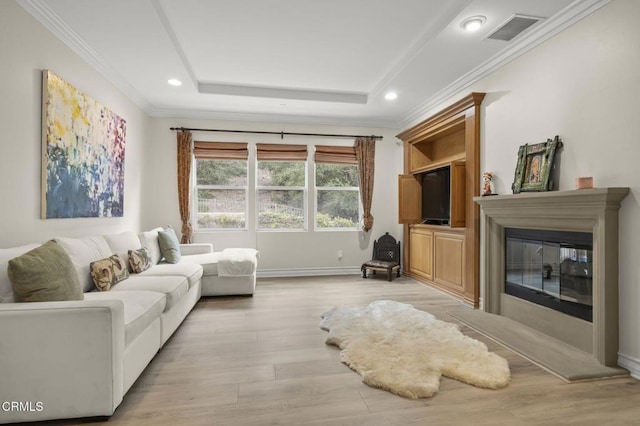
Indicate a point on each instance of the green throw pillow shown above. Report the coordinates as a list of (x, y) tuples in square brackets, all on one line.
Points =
[(169, 245), (44, 274)]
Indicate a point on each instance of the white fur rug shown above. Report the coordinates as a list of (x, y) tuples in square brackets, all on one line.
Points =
[(398, 348)]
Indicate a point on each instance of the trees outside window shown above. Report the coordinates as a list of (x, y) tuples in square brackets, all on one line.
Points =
[(221, 194), (337, 196), (281, 193)]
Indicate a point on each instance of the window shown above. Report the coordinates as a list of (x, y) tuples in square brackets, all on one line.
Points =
[(337, 191), (221, 185), (281, 186)]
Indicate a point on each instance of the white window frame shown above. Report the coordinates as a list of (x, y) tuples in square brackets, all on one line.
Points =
[(304, 190), (196, 187), (333, 188)]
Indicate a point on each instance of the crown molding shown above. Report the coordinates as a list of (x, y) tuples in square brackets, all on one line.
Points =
[(41, 11), (272, 118), (283, 93), (568, 16)]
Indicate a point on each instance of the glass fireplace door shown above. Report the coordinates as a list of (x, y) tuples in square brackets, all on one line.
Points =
[(551, 268)]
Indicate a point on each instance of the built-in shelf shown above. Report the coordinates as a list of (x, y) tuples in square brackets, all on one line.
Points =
[(446, 257)]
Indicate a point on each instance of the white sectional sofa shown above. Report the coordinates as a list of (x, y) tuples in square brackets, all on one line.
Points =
[(78, 358)]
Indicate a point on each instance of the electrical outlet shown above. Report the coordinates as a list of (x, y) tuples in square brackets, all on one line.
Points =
[(339, 254)]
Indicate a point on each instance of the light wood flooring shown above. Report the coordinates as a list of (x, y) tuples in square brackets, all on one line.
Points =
[(262, 360)]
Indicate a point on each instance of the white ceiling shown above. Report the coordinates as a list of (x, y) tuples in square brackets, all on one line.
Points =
[(311, 61)]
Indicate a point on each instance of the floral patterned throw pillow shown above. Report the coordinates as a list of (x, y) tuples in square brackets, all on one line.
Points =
[(107, 272), (139, 260)]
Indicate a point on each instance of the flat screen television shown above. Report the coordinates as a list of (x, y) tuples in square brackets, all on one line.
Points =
[(436, 196)]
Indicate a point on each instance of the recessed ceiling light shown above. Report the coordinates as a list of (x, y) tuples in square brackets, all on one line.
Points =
[(390, 96), (174, 82), (473, 23)]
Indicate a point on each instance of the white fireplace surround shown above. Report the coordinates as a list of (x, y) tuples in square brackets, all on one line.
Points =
[(585, 210)]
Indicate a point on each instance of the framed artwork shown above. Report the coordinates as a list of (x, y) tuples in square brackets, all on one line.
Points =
[(83, 151), (535, 163)]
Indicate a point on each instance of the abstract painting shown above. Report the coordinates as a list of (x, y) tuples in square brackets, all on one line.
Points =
[(83, 147)]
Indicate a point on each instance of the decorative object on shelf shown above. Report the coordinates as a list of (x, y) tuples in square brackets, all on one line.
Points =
[(83, 148), (534, 166), (487, 184), (585, 182)]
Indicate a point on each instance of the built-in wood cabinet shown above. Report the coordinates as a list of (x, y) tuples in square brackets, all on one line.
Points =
[(445, 256), (409, 199), (421, 252), (448, 260)]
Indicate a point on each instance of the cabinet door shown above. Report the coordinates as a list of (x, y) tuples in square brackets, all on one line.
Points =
[(449, 260), (421, 253), (409, 198)]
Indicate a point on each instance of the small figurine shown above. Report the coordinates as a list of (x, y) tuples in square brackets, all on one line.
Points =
[(486, 183)]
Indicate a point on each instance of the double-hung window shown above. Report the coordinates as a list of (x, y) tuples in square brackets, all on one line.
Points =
[(281, 186), (337, 190), (221, 185)]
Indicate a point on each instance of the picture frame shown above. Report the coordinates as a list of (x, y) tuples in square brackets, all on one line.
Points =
[(534, 166), (83, 153)]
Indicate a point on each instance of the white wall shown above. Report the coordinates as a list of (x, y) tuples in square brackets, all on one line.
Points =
[(584, 85), (26, 48), (280, 252)]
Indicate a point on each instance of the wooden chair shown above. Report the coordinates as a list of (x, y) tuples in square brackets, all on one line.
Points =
[(386, 257)]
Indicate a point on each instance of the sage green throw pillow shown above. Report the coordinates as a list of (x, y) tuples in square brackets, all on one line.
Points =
[(169, 245), (44, 274)]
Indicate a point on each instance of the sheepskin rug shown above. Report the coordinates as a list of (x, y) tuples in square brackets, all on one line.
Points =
[(403, 350)]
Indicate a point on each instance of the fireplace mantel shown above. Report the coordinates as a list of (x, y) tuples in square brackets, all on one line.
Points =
[(586, 210)]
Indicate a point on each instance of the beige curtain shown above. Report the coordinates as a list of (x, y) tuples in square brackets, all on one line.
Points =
[(184, 175), (366, 154)]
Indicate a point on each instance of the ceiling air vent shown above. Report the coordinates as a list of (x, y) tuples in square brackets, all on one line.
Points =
[(513, 27)]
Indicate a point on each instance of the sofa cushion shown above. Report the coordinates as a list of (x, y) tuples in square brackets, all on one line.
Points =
[(109, 271), (141, 308), (6, 289), (44, 274), (169, 245), (208, 261), (149, 239), (173, 287), (191, 271), (82, 252), (139, 260), (122, 243)]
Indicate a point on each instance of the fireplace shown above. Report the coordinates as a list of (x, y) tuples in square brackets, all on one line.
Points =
[(551, 268), (568, 245)]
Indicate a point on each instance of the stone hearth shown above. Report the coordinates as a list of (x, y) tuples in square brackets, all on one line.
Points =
[(587, 210)]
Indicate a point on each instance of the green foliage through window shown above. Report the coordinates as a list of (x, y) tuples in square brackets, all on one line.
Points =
[(338, 196), (281, 191), (221, 194)]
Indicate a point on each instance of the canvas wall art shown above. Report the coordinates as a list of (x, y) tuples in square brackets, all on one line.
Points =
[(83, 150)]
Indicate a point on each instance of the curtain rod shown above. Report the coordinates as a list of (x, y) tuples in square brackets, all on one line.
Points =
[(282, 134)]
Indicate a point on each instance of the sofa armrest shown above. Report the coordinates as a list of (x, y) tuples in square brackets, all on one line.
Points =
[(64, 359), (199, 248)]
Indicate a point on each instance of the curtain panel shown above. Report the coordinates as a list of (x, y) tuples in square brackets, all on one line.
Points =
[(365, 153), (184, 175)]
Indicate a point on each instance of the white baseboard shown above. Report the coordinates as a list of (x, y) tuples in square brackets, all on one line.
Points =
[(307, 272), (630, 363)]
